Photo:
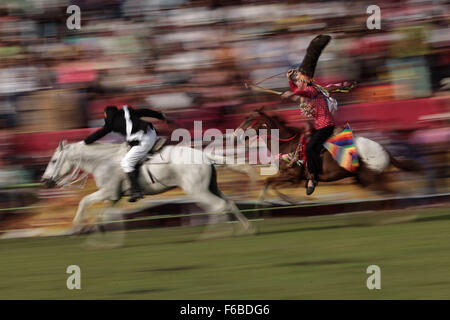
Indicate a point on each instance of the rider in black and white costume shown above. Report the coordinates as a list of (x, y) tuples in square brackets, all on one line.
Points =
[(140, 135)]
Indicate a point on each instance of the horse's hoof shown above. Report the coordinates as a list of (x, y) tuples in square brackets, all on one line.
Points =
[(252, 230), (104, 240), (80, 229), (134, 199), (245, 231), (216, 231), (74, 230), (101, 228)]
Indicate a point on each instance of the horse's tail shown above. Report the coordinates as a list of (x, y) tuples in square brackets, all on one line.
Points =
[(214, 158), (217, 158), (406, 165)]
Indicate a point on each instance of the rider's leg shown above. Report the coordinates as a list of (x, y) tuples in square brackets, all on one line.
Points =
[(131, 159), (311, 153), (312, 156), (313, 149), (128, 165)]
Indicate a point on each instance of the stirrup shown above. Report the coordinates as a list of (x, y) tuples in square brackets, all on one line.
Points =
[(135, 197), (136, 192)]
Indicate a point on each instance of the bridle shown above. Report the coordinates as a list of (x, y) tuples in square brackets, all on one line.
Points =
[(256, 120), (70, 180)]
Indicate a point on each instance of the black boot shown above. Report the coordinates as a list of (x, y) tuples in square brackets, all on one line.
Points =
[(136, 193), (309, 189)]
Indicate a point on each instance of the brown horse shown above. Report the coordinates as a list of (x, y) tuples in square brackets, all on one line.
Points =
[(331, 170)]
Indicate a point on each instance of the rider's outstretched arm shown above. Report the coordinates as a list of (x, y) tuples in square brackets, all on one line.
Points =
[(150, 114), (97, 135)]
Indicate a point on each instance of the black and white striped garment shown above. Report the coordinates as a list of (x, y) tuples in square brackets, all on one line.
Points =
[(116, 122)]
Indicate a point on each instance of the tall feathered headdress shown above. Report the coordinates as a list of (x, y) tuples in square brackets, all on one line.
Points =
[(315, 48)]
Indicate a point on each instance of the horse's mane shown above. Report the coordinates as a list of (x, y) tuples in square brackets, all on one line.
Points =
[(107, 145), (103, 150), (272, 117), (281, 121)]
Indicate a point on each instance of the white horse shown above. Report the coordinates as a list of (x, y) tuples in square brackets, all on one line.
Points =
[(171, 167)]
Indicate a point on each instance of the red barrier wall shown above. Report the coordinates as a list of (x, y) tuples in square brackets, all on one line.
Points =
[(44, 143), (379, 115)]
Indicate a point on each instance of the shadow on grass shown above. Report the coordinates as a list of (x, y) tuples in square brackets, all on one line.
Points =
[(142, 291), (435, 218), (312, 229), (172, 269), (316, 262)]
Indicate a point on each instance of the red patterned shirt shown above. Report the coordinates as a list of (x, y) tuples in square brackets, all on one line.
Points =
[(322, 115)]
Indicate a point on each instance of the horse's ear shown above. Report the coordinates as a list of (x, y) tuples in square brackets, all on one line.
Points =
[(62, 145), (260, 110)]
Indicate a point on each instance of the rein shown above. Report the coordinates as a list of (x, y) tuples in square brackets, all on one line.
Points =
[(288, 139), (255, 121), (270, 77)]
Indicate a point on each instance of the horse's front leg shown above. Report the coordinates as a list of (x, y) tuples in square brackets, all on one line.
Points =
[(104, 217), (280, 180), (86, 201), (263, 192), (280, 194), (269, 183)]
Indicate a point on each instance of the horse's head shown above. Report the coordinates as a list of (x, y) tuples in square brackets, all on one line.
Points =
[(257, 120), (58, 167), (268, 124)]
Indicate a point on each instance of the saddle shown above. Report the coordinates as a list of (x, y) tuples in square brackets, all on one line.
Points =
[(160, 142)]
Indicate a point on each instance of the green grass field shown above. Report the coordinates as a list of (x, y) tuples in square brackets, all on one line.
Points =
[(290, 258)]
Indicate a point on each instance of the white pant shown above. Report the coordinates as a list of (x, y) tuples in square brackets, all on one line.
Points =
[(138, 152)]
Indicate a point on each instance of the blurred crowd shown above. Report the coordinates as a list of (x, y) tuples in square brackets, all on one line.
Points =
[(191, 59)]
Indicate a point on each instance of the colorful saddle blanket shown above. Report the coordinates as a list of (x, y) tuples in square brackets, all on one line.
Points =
[(341, 146)]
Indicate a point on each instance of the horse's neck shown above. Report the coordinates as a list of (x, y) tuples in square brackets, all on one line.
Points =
[(293, 131), (89, 157), (288, 138), (286, 132)]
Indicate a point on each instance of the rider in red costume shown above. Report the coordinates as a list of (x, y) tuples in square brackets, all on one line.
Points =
[(315, 104)]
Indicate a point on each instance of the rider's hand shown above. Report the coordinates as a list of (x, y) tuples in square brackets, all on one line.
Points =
[(309, 127), (170, 123), (164, 118), (287, 94), (289, 73)]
